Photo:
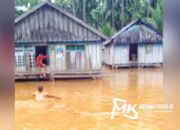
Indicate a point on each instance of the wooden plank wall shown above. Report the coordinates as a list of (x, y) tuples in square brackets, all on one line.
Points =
[(156, 56), (77, 61), (47, 24)]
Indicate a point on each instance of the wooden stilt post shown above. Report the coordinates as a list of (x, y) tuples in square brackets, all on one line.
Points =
[(52, 63)]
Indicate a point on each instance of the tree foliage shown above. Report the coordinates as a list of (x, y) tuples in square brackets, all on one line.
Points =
[(107, 15), (27, 4), (106, 29)]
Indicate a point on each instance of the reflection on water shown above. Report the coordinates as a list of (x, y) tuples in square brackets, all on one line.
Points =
[(86, 104)]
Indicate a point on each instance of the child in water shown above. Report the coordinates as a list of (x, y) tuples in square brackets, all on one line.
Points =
[(40, 94)]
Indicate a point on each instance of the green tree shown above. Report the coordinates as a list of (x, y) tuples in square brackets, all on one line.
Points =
[(107, 29), (27, 4), (101, 13), (157, 15), (64, 4)]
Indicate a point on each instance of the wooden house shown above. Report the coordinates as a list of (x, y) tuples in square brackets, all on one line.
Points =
[(137, 44), (73, 47)]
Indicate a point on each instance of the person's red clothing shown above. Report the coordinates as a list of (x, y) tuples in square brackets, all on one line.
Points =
[(39, 60)]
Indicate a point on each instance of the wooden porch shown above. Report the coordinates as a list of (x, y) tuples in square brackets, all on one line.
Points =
[(135, 65), (58, 75)]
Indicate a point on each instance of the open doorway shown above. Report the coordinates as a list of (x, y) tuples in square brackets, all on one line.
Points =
[(133, 52), (44, 51)]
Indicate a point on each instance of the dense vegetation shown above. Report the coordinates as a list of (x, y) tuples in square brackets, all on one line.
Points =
[(108, 16)]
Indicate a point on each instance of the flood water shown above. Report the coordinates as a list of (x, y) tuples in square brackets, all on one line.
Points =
[(86, 104)]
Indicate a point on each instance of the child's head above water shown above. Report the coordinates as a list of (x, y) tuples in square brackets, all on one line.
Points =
[(40, 88)]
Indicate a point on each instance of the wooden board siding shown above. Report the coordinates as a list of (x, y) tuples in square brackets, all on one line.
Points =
[(153, 57), (76, 61), (108, 55), (49, 24), (86, 62), (118, 55), (123, 52), (94, 56)]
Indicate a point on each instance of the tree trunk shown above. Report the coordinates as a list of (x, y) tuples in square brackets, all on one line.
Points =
[(148, 8), (84, 10), (102, 15), (112, 14), (73, 7), (122, 14)]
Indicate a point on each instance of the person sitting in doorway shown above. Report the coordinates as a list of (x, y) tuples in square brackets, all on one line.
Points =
[(40, 94), (133, 57), (40, 65)]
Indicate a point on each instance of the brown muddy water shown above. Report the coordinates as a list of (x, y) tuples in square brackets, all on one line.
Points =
[(86, 104)]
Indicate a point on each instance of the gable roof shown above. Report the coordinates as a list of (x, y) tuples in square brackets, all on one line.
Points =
[(136, 22), (70, 16)]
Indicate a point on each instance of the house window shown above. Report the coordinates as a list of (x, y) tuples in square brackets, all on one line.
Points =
[(80, 47), (70, 47), (24, 56), (75, 47), (149, 49)]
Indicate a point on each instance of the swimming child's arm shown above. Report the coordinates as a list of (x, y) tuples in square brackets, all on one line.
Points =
[(51, 96)]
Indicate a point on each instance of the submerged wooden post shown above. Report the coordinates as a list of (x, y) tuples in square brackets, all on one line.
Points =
[(52, 63)]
